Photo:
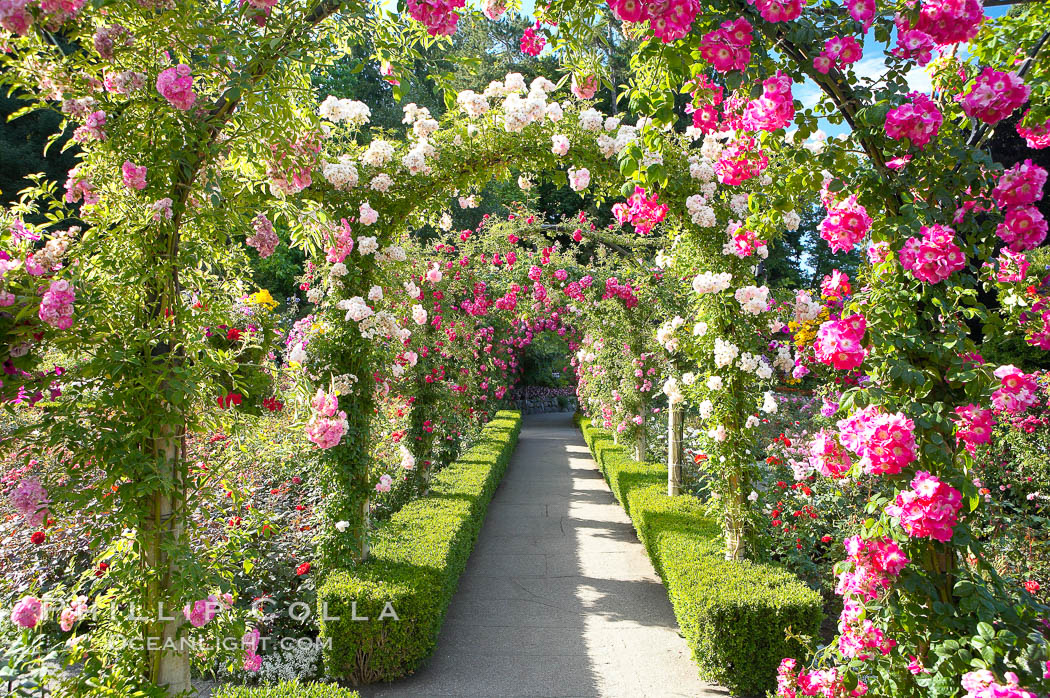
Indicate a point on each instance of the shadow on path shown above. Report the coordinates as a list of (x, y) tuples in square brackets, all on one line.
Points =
[(559, 597)]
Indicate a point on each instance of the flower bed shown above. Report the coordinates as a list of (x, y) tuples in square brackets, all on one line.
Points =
[(417, 558), (734, 615), (287, 689)]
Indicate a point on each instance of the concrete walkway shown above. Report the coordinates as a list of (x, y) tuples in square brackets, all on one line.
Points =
[(559, 597)]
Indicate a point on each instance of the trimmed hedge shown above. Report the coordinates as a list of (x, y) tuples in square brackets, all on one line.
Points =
[(733, 614), (416, 559), (286, 689)]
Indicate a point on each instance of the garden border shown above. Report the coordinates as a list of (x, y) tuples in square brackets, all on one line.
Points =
[(733, 614), (417, 558)]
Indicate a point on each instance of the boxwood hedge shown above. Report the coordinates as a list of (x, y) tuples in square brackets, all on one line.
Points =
[(733, 614), (416, 559)]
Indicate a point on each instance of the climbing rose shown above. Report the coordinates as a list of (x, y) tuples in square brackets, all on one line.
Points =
[(917, 120), (494, 9), (1024, 228), (200, 612), (950, 21), (586, 88), (929, 509), (728, 47), (983, 684), (1036, 136), (176, 86), (835, 285), (838, 342), (827, 456), (778, 10), (935, 257), (839, 52), (874, 563), (27, 612), (885, 442), (559, 144), (133, 175), (973, 426), (30, 500), (774, 109), (994, 96), (532, 44), (56, 307), (1021, 184), (265, 239), (845, 225), (1012, 267), (1017, 390), (439, 16)]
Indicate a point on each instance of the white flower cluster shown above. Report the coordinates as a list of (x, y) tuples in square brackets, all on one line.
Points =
[(625, 135), (738, 204), (753, 300), (555, 112), (673, 391), (579, 179), (367, 215), (711, 149), (699, 211), (394, 253), (378, 153), (714, 383), (702, 170), (349, 110), (783, 360), (472, 104), (367, 245), (415, 160), (341, 175), (559, 144), (468, 201), (383, 323), (381, 183), (769, 403), (591, 120), (665, 335), (344, 384), (792, 220), (356, 308), (706, 408), (725, 352), (419, 314), (710, 282)]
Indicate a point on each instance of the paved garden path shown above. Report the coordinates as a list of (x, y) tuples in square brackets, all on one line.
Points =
[(559, 597)]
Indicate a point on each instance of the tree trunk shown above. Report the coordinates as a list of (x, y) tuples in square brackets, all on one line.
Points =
[(167, 667), (640, 445), (734, 521), (675, 425)]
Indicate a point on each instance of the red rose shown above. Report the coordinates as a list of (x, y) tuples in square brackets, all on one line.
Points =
[(39, 538), (1031, 586), (825, 539), (302, 569), (233, 334)]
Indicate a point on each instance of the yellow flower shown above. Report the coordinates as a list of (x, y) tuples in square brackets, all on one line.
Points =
[(263, 299)]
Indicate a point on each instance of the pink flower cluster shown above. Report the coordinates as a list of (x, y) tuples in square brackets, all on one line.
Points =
[(1017, 390), (983, 684), (933, 258), (918, 120), (27, 612), (1037, 136), (835, 286), (92, 128), (584, 88), (743, 242), (1012, 267), (774, 109), (200, 612), (70, 615), (641, 211), (857, 636), (741, 160), (329, 424), (342, 245), (885, 442), (56, 307), (176, 85), (265, 239), (625, 292), (838, 342), (929, 509), (973, 425), (778, 10), (845, 225), (250, 643), (15, 16), (950, 21), (1018, 188), (29, 498), (994, 96), (669, 20), (914, 44), (134, 176), (827, 683), (531, 43), (873, 565), (439, 16), (827, 456), (839, 52), (728, 47)]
